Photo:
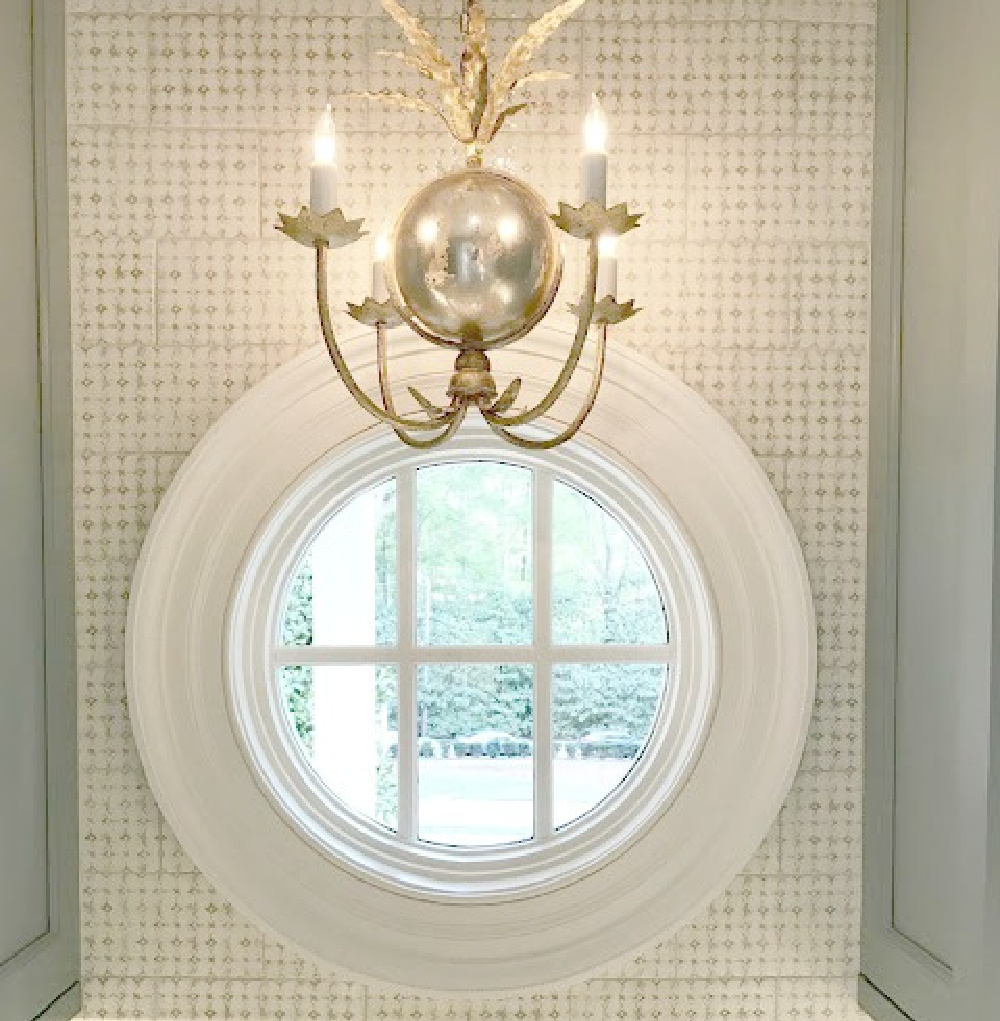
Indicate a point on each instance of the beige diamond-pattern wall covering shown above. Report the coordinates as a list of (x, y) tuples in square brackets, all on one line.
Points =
[(744, 128)]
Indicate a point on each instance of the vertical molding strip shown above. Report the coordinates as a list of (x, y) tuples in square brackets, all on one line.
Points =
[(541, 566), (406, 729), (883, 471), (900, 981), (56, 387), (43, 979)]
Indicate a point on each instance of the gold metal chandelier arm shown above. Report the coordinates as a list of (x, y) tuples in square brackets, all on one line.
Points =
[(574, 427), (454, 419), (383, 368), (433, 411), (340, 364), (585, 318)]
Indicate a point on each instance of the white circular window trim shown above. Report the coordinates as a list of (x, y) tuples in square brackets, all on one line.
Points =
[(485, 874), (686, 848)]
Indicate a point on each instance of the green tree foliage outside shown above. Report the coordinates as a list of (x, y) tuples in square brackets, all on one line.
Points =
[(474, 587), (297, 681)]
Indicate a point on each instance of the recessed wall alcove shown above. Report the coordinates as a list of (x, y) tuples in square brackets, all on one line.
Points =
[(744, 132)]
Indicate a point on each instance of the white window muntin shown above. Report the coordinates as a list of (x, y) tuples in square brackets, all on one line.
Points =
[(398, 861)]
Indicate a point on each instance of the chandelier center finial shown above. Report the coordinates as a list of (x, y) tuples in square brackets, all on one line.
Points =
[(472, 382), (473, 104)]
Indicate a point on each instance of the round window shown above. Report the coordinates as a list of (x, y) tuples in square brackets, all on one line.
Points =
[(472, 721), (461, 661), (499, 631)]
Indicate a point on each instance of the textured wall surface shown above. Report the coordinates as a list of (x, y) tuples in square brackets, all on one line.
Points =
[(743, 127)]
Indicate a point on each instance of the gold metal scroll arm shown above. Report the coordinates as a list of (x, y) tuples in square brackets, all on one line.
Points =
[(455, 417), (451, 418), (591, 221), (574, 427), (340, 364), (323, 231), (585, 316)]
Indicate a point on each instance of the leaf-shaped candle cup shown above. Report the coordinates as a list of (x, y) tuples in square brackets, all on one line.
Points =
[(314, 229), (608, 312), (592, 220), (371, 313)]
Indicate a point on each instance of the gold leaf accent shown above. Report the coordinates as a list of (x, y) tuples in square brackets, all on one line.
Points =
[(402, 99), (432, 409), (475, 82), (410, 60), (455, 114), (541, 76), (420, 39), (433, 64), (519, 56), (506, 400), (505, 115), (472, 109)]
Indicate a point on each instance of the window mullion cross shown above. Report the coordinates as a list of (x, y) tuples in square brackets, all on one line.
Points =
[(406, 573), (541, 568)]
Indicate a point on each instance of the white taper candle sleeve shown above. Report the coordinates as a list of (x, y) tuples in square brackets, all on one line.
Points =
[(322, 187), (379, 290), (594, 170)]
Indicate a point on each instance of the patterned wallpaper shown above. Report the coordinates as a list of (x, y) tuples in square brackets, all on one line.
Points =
[(743, 127)]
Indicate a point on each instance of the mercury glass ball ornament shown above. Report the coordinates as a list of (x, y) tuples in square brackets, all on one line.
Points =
[(474, 261)]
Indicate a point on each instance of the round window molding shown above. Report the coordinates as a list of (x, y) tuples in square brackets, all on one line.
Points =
[(492, 872), (703, 795)]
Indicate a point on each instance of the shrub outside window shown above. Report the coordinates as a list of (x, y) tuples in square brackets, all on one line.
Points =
[(509, 565), (458, 660)]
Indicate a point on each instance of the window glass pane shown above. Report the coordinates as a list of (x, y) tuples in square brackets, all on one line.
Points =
[(474, 554), (602, 588), (476, 778), (345, 720), (602, 715), (344, 589)]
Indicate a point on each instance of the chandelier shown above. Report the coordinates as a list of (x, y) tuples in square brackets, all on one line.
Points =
[(473, 262)]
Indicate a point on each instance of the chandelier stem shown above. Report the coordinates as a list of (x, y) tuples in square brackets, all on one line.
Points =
[(340, 363), (585, 318), (574, 427)]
